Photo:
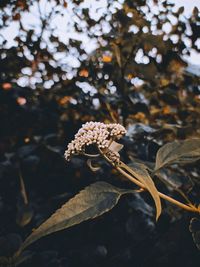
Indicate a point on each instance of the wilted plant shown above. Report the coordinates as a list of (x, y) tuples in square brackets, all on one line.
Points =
[(100, 197)]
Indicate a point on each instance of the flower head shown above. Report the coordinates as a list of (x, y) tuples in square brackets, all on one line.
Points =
[(97, 133)]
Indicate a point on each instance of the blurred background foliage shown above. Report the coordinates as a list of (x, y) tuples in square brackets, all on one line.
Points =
[(110, 61)]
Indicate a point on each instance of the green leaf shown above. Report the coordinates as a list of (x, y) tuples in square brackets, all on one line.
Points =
[(178, 152), (180, 10), (93, 201), (195, 11), (139, 171)]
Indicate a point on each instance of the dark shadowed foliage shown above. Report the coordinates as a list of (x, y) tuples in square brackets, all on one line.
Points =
[(119, 61)]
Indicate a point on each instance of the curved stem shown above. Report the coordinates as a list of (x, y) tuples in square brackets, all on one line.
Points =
[(90, 155), (163, 196), (190, 208)]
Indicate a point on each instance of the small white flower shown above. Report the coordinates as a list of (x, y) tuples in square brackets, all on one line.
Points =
[(95, 133)]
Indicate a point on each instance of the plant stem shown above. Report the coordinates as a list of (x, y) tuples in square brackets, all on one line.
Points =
[(163, 196), (90, 155), (23, 189), (190, 208)]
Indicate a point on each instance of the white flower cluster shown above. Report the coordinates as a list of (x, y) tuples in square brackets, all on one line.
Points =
[(94, 133)]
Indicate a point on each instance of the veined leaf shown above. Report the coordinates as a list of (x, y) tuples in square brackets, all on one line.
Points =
[(91, 202), (178, 152), (139, 171)]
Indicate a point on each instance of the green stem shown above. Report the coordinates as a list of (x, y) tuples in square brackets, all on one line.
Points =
[(163, 196), (131, 177)]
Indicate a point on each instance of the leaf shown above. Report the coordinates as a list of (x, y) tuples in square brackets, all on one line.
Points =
[(6, 86), (138, 130), (139, 171), (84, 73), (15, 261), (175, 180), (115, 147), (180, 10), (195, 11), (24, 215), (139, 204), (178, 152), (93, 201), (106, 58)]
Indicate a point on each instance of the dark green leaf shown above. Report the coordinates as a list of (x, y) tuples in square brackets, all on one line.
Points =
[(178, 152), (93, 201), (195, 11), (180, 10), (139, 171)]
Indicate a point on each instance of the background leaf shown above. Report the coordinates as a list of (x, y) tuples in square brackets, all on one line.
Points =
[(93, 201), (178, 152), (194, 228)]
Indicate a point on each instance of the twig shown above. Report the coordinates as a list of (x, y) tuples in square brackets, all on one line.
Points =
[(111, 113), (190, 207), (23, 189), (90, 155), (163, 196)]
